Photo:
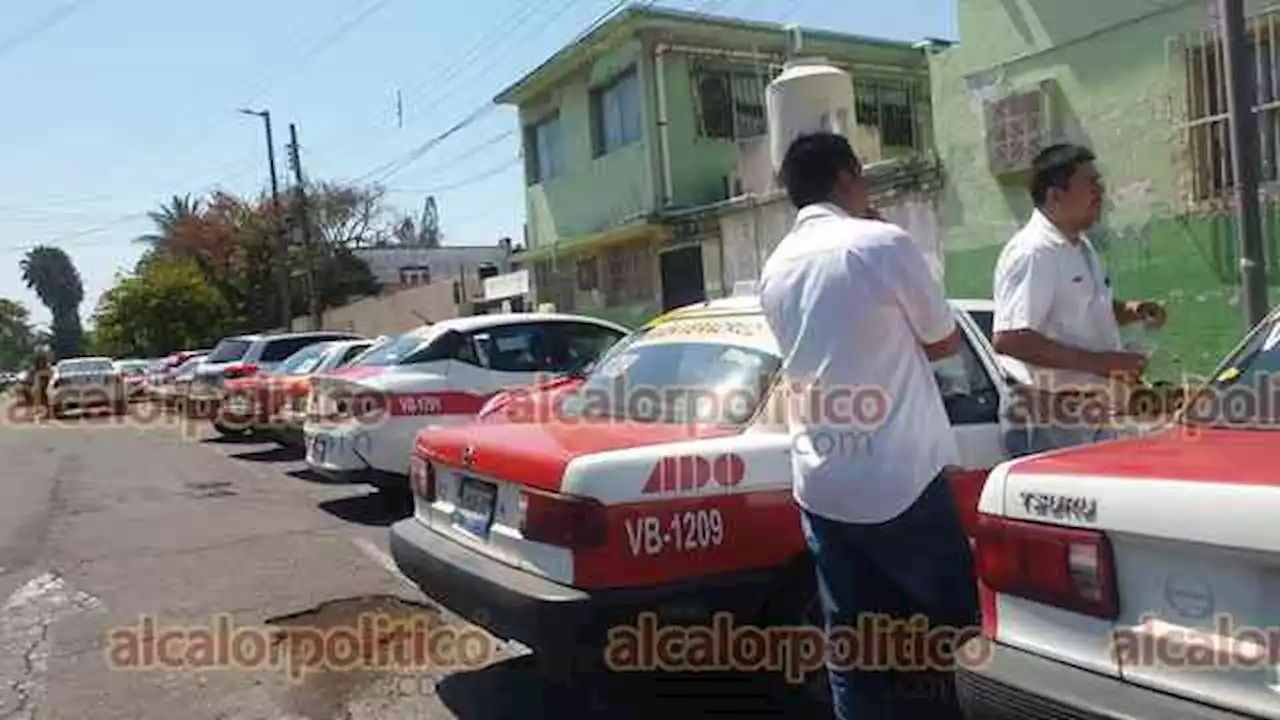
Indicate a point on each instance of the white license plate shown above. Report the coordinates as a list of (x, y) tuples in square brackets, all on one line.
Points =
[(319, 447), (475, 507)]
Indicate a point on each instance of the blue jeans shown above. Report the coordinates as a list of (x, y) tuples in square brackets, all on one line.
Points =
[(1033, 439), (918, 563)]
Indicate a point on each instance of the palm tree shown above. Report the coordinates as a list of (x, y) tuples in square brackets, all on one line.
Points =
[(50, 273), (168, 217)]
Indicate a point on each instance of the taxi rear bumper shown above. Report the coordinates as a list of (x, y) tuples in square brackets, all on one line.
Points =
[(555, 619), (1017, 685)]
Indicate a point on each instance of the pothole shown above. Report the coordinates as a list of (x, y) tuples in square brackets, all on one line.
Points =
[(209, 489), (343, 653)]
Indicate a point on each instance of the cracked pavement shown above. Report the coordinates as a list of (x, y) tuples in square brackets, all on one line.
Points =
[(104, 525)]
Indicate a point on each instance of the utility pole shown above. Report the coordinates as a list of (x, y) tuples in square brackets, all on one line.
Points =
[(313, 286), (282, 240), (1241, 99)]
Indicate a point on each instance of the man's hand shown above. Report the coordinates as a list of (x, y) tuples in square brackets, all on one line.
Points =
[(1147, 311), (1122, 365)]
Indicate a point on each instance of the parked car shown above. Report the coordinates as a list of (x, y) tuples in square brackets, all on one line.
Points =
[(164, 370), (1139, 578), (242, 356), (362, 420), (571, 507), (273, 403), (175, 384), (134, 374), (86, 382)]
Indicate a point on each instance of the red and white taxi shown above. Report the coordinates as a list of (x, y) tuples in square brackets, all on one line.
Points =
[(362, 420), (659, 480), (1139, 578)]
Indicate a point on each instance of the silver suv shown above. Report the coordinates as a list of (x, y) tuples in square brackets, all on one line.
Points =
[(245, 355)]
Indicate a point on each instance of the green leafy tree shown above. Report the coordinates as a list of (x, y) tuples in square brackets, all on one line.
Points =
[(166, 305), (17, 337), (51, 274)]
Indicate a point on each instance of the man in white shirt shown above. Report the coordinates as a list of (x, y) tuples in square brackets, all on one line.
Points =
[(857, 314), (1056, 324)]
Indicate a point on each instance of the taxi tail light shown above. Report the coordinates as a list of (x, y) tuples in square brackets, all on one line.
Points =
[(422, 478), (239, 370), (1069, 568), (562, 520)]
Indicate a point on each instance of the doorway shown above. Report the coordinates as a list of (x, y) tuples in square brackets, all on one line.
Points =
[(682, 279)]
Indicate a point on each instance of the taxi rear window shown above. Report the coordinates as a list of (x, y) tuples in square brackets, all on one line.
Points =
[(704, 371)]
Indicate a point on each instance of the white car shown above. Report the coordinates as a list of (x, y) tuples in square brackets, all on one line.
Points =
[(660, 478), (87, 382), (362, 419), (1139, 578)]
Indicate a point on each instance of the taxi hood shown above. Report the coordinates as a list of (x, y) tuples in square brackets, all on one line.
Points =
[(536, 454)]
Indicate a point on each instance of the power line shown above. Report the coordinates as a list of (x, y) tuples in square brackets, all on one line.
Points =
[(483, 44), (323, 43), (465, 182), (50, 20), (391, 168)]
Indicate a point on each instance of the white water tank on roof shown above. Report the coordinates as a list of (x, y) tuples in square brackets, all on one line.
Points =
[(810, 95)]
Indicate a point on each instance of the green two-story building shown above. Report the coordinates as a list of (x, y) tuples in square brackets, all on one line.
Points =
[(641, 122)]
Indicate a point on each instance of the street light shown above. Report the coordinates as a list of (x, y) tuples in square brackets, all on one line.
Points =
[(282, 243)]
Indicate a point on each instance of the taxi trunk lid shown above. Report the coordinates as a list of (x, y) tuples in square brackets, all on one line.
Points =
[(1189, 516)]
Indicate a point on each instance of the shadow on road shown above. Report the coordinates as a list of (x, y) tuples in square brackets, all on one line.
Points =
[(271, 455), (515, 688), (233, 440), (374, 509), (308, 475)]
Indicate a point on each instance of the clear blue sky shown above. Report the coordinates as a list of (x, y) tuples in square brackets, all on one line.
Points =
[(111, 106)]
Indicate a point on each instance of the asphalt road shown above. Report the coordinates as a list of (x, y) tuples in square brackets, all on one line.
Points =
[(108, 526)]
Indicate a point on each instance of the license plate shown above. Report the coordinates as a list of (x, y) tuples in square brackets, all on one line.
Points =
[(318, 448), (474, 511)]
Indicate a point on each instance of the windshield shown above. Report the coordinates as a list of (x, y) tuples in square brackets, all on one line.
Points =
[(133, 367), (396, 349), (85, 366), (1246, 392), (304, 361), (190, 364), (229, 350), (685, 371)]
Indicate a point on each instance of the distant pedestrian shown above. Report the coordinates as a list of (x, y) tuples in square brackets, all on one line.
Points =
[(1057, 326), (853, 305)]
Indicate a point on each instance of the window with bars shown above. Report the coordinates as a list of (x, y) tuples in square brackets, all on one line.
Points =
[(628, 275), (731, 103), (890, 106), (1015, 130), (553, 285), (1207, 133)]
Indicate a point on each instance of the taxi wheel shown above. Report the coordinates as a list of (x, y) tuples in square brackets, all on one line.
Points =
[(224, 429)]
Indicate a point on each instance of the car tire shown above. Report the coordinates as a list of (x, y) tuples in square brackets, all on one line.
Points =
[(227, 430)]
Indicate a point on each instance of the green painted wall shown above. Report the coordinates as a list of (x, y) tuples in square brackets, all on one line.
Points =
[(592, 194), (1117, 93)]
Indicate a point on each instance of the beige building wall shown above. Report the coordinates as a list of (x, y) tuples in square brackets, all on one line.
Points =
[(397, 312)]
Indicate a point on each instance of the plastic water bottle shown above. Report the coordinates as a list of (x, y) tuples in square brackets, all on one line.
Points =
[(1141, 337)]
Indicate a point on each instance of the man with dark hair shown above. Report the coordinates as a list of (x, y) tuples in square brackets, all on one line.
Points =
[(1056, 324), (854, 308)]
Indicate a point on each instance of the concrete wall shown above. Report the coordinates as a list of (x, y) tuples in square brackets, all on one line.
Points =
[(395, 312), (1120, 91)]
